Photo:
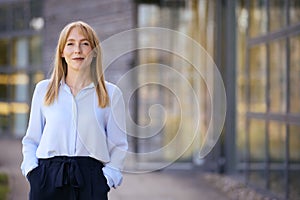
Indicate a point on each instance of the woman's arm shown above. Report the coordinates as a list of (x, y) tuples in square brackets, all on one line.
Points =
[(33, 134), (116, 139)]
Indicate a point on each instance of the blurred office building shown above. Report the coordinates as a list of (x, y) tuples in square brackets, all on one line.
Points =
[(254, 44)]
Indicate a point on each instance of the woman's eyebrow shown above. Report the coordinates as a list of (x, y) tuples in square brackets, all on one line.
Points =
[(84, 39)]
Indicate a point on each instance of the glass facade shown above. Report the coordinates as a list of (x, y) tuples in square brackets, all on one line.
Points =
[(267, 83), (196, 19), (268, 95), (20, 63)]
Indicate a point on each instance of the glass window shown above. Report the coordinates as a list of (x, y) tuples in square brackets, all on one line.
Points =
[(277, 183), (258, 79), (295, 74), (257, 178), (257, 140), (3, 18), (4, 87), (20, 85), (19, 124), (277, 14), (278, 76), (23, 53), (20, 17), (148, 15), (19, 92), (294, 178), (4, 122), (36, 8), (242, 77), (38, 76), (258, 17), (35, 50), (20, 56), (294, 149), (4, 52), (295, 144), (294, 11), (241, 137), (3, 92), (277, 135)]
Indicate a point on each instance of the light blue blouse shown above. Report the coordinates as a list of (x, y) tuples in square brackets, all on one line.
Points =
[(77, 126)]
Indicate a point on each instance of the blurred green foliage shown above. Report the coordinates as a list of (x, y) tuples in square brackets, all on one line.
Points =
[(4, 186)]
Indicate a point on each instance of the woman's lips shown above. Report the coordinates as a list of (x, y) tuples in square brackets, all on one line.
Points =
[(78, 59)]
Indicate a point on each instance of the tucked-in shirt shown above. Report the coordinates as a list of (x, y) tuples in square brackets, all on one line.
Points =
[(77, 126)]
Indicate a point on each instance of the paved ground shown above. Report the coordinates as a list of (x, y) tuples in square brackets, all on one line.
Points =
[(162, 185)]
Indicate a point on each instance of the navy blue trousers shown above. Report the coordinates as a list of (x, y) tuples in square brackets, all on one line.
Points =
[(68, 178)]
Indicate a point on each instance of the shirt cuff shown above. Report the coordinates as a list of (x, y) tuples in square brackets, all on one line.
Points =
[(114, 176), (26, 168)]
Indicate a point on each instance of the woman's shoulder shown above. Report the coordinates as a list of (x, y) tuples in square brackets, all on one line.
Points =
[(42, 85), (111, 87)]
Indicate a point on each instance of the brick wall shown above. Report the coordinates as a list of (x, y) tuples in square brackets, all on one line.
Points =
[(107, 17)]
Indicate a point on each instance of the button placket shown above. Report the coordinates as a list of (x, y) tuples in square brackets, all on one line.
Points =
[(74, 122)]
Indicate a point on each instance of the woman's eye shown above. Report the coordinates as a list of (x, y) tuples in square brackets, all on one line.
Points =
[(86, 44), (69, 44)]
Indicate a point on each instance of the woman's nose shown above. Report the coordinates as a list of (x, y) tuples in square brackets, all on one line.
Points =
[(77, 49)]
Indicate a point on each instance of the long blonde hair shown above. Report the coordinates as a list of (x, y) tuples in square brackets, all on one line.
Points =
[(60, 66)]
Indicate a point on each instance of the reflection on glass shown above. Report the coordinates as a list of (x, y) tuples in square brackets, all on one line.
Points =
[(3, 18), (3, 92), (20, 52), (257, 140), (148, 15), (4, 108), (37, 77), (277, 14), (36, 8), (19, 87), (278, 76), (295, 74), (257, 178), (4, 52), (258, 79), (4, 123), (277, 136), (294, 11), (20, 19), (295, 144), (294, 150), (241, 137), (35, 49), (258, 17), (19, 92), (19, 124), (294, 178), (242, 16), (277, 183)]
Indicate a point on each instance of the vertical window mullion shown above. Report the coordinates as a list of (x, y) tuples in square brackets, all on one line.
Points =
[(247, 68), (267, 135), (287, 104)]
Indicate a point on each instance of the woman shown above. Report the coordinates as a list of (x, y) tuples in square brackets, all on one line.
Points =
[(75, 144)]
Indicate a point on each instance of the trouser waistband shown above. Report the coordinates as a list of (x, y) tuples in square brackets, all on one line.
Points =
[(69, 171), (82, 160)]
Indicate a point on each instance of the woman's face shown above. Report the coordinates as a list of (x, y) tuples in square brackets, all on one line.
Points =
[(77, 51)]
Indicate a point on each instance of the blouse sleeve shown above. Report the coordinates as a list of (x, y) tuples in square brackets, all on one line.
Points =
[(33, 134), (116, 137)]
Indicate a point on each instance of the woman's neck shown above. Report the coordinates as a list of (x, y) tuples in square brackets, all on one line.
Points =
[(77, 81)]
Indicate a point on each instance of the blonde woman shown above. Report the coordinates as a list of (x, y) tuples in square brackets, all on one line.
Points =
[(75, 144)]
